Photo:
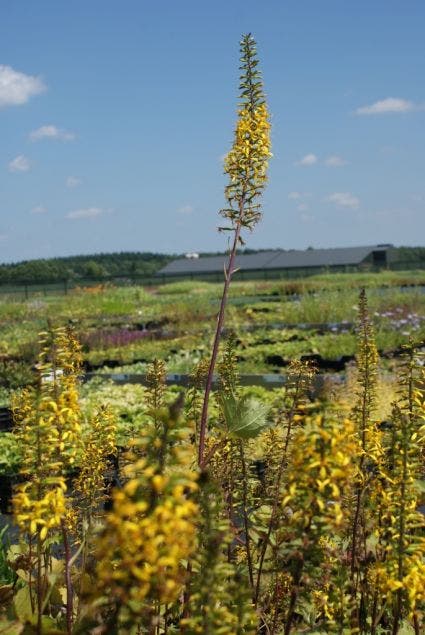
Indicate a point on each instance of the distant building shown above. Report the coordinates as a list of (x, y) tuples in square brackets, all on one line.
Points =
[(281, 263)]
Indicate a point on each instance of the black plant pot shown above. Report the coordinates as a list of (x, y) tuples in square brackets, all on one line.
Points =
[(6, 420), (6, 487)]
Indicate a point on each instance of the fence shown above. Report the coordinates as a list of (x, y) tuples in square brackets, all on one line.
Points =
[(24, 289)]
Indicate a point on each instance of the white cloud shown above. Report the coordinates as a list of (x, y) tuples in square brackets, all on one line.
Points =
[(309, 159), (334, 161), (307, 218), (388, 150), (302, 207), (73, 181), (87, 212), (343, 199), (185, 209), (51, 132), (294, 196), (19, 164), (388, 105), (16, 88), (38, 209)]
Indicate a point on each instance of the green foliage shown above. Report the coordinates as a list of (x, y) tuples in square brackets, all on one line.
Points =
[(245, 417), (10, 453), (7, 574), (15, 374), (216, 600), (401, 572)]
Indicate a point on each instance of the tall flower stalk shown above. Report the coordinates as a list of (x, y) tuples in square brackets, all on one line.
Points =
[(246, 165), (48, 429)]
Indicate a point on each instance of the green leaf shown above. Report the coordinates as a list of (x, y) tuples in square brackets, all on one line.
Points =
[(308, 611), (6, 594), (22, 605), (10, 628), (419, 486), (50, 626), (245, 417)]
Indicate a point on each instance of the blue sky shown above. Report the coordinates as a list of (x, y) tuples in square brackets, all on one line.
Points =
[(114, 117)]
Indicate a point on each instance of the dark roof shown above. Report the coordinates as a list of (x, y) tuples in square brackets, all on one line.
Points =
[(321, 257), (278, 259), (216, 263)]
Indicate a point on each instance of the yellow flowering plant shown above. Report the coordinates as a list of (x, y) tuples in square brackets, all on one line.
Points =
[(399, 576), (365, 494), (246, 166), (217, 597), (319, 476), (48, 426), (151, 529)]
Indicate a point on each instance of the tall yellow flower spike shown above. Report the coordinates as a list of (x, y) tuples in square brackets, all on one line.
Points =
[(247, 162)]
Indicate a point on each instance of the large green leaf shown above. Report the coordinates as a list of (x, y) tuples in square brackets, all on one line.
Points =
[(22, 604), (10, 628), (245, 417)]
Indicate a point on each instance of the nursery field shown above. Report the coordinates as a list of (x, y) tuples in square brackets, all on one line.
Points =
[(274, 322), (310, 517), (123, 330)]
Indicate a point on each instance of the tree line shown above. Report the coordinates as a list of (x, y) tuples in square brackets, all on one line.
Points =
[(88, 266)]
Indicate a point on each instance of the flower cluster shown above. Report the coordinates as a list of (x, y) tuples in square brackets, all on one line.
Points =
[(402, 319), (152, 526), (40, 515), (149, 532), (320, 473), (247, 162), (99, 445), (400, 572), (48, 430)]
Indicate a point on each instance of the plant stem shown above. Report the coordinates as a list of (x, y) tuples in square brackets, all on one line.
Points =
[(220, 322), (293, 597), (406, 428), (401, 528), (30, 572), (230, 485), (245, 515), (39, 589), (186, 593), (416, 624), (68, 581), (367, 363), (276, 501), (359, 489)]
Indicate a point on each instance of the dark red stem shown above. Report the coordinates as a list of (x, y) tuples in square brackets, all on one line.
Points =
[(220, 322), (68, 581)]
